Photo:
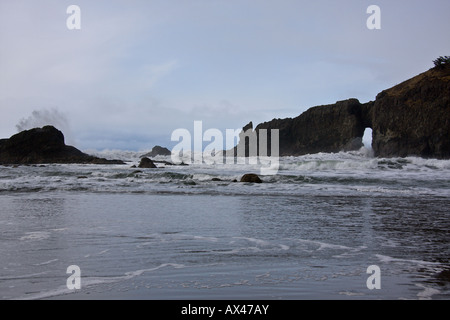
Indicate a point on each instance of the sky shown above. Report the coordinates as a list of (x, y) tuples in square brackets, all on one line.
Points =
[(136, 70)]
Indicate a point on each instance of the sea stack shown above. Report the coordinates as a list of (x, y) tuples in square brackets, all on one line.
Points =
[(157, 151), (44, 145), (409, 119)]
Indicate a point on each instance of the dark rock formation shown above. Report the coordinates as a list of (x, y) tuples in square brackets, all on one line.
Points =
[(413, 118), (410, 119), (328, 128), (251, 177), (44, 145), (146, 163), (157, 151)]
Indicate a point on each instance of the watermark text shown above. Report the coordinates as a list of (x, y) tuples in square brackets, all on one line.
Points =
[(252, 147), (74, 280)]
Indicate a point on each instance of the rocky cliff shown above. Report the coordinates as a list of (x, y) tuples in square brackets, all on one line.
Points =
[(413, 118), (43, 145), (410, 119)]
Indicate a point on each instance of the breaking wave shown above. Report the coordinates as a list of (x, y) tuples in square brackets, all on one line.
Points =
[(345, 172)]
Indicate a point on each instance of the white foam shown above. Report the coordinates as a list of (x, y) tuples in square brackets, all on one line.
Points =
[(59, 229), (211, 239), (427, 292), (96, 254), (324, 245), (388, 259), (132, 274), (46, 294), (92, 281), (24, 276), (429, 163), (36, 235), (46, 262), (351, 294), (163, 237), (263, 243), (239, 250), (256, 241)]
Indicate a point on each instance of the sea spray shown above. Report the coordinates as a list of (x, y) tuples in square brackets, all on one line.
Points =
[(44, 117)]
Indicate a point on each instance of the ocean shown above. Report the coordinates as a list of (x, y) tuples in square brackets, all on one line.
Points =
[(326, 226)]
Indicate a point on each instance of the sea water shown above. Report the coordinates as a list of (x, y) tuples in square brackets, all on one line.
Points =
[(309, 232)]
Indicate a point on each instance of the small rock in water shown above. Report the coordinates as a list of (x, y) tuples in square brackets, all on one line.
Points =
[(251, 177), (146, 163)]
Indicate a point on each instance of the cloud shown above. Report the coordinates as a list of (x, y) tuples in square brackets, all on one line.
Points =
[(140, 71), (155, 72)]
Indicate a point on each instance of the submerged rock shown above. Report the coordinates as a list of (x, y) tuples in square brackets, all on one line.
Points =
[(251, 177), (44, 145)]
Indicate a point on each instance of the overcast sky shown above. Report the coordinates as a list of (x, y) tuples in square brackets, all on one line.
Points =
[(138, 70)]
